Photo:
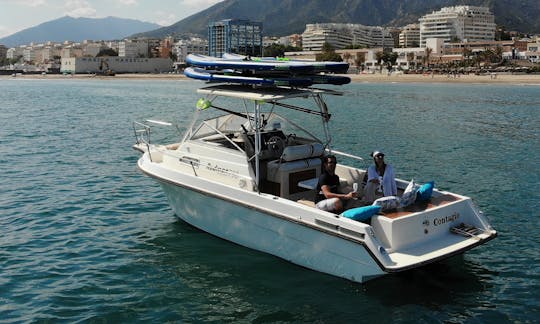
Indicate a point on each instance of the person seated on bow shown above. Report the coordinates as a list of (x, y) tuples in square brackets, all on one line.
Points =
[(381, 180), (328, 197)]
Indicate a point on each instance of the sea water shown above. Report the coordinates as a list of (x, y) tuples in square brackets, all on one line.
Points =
[(86, 237)]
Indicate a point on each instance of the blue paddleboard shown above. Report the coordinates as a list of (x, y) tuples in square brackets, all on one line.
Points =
[(304, 67), (324, 66), (218, 76)]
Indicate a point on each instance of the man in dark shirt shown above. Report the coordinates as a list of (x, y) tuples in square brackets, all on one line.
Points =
[(328, 197)]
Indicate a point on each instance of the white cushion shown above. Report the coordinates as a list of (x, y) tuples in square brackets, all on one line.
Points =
[(409, 195), (387, 203), (299, 152)]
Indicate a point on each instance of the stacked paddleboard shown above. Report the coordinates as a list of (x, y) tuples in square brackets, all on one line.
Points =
[(240, 69)]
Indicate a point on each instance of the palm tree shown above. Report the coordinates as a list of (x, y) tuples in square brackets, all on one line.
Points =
[(379, 56), (499, 54), (467, 52), (360, 60), (347, 56), (427, 56), (410, 58)]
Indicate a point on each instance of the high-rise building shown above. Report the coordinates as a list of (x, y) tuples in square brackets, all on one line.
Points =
[(315, 35), (235, 36), (459, 23), (343, 35), (192, 46), (134, 48), (410, 36)]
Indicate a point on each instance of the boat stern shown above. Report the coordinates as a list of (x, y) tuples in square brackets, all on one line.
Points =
[(448, 225)]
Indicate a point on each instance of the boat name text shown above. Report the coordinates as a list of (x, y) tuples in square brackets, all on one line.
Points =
[(446, 219), (224, 171)]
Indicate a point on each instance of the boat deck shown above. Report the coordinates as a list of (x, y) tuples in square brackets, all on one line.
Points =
[(396, 213), (419, 207)]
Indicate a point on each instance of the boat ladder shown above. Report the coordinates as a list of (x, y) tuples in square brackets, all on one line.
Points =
[(467, 230)]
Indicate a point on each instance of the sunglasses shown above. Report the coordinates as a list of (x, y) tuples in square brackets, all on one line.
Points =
[(379, 156)]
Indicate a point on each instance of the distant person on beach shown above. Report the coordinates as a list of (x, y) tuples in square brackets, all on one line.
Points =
[(328, 197), (381, 180)]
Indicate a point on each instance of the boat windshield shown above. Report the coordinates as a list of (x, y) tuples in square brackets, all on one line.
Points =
[(233, 126)]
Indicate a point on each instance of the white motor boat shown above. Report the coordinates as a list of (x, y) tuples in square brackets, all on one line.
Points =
[(247, 173)]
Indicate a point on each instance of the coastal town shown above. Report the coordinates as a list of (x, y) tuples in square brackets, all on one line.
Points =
[(270, 161), (453, 41)]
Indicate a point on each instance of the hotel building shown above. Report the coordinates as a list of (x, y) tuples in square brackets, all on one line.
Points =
[(235, 36), (410, 36), (461, 23), (343, 35), (193, 46), (133, 48)]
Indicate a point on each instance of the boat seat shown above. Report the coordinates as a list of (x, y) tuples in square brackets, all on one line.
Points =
[(309, 203), (297, 163)]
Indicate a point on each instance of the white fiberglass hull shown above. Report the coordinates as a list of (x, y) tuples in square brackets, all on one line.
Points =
[(262, 225), (313, 238), (260, 231)]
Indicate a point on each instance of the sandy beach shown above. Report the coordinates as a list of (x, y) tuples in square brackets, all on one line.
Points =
[(533, 79), (443, 78)]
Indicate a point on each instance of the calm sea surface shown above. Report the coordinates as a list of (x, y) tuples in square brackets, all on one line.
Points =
[(86, 237)]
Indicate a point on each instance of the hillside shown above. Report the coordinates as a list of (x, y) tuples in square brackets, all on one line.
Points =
[(78, 29), (283, 17)]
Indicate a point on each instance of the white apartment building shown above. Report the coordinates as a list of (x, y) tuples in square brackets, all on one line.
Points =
[(465, 23), (533, 51), (92, 49), (343, 35), (315, 35), (193, 46), (410, 57), (71, 51), (29, 54), (294, 40), (269, 40), (133, 48), (410, 36), (371, 36), (49, 52), (14, 52)]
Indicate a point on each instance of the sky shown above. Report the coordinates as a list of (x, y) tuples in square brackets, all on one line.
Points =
[(16, 15)]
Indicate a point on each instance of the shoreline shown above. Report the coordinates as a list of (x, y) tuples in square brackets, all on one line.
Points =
[(532, 79)]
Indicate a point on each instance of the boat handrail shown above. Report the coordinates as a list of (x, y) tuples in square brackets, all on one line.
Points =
[(142, 135), (336, 152), (223, 135)]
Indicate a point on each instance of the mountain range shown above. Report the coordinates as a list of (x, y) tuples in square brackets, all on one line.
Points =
[(279, 18), (285, 17), (78, 29)]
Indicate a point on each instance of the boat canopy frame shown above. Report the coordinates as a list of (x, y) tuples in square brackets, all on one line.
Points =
[(259, 96)]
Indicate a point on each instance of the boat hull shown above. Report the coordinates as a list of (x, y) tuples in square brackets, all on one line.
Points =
[(255, 229)]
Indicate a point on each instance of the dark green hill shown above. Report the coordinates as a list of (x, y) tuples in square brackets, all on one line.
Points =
[(284, 17)]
